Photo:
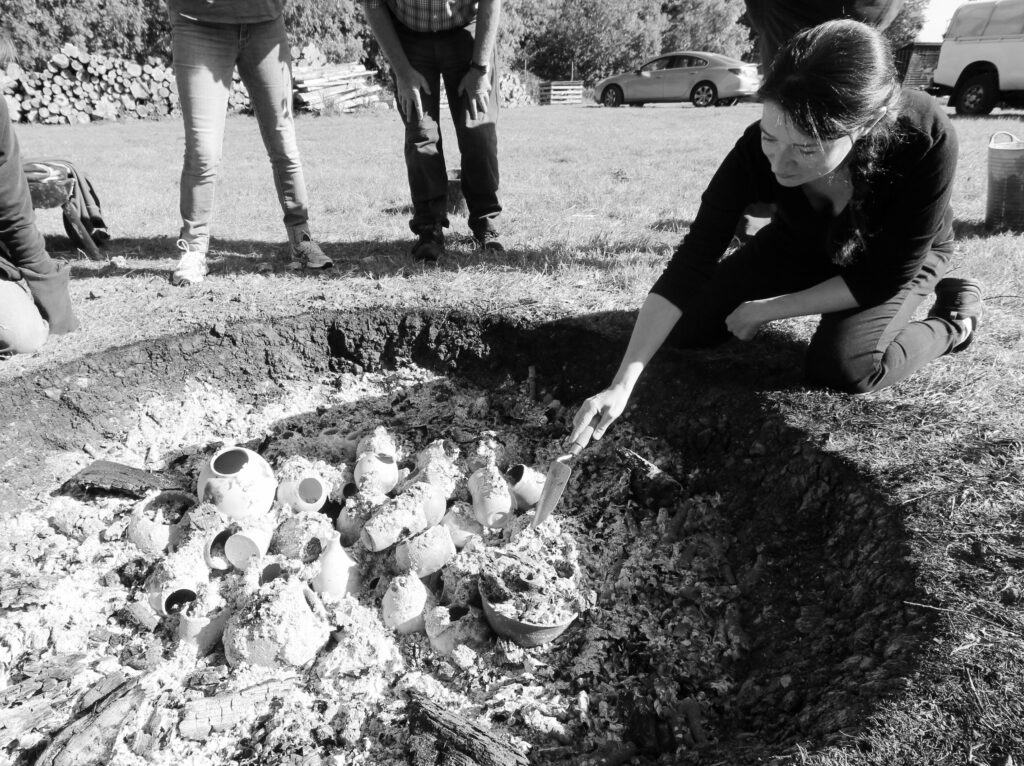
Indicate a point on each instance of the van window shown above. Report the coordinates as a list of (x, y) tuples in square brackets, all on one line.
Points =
[(970, 20), (1007, 19)]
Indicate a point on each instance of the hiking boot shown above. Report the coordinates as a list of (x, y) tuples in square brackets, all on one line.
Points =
[(430, 245), (191, 268), (959, 301), (488, 241), (306, 254)]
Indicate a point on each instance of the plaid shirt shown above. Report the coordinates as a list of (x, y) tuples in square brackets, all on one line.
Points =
[(430, 15)]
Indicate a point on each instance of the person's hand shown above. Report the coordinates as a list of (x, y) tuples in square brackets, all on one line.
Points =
[(745, 321), (408, 84), (476, 86), (605, 406)]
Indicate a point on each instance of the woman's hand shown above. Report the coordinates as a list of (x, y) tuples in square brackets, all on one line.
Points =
[(745, 321), (606, 406), (408, 84)]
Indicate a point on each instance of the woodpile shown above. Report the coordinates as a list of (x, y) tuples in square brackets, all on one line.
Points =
[(561, 92), (334, 87), (78, 87)]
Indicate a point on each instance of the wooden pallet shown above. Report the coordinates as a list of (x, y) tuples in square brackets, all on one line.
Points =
[(561, 92)]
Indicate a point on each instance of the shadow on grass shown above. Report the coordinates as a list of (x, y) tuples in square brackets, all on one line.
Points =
[(975, 229), (815, 631), (374, 258)]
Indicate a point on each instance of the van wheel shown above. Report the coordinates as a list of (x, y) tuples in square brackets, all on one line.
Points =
[(977, 95)]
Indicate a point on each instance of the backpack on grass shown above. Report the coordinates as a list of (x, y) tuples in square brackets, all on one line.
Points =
[(58, 183)]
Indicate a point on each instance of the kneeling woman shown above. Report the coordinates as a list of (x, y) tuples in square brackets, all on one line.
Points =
[(860, 175), (34, 300)]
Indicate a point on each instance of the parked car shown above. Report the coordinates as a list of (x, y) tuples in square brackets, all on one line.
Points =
[(706, 79), (981, 60)]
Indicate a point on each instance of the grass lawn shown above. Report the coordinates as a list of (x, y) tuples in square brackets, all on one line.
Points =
[(596, 199)]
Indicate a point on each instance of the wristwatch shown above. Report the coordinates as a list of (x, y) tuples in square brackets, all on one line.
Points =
[(482, 68)]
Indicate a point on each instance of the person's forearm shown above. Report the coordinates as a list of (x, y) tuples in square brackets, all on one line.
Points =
[(657, 318), (824, 298), (383, 29), (487, 15)]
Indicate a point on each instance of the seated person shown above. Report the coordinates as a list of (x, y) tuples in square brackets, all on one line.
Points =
[(34, 299)]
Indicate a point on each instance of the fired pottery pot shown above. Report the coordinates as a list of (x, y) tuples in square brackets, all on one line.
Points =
[(378, 442), (358, 509), (203, 632), (525, 634), (339, 572), (301, 536), (448, 627), (281, 625), (462, 524), (376, 472), (154, 524), (526, 484), (492, 498), (435, 465), (213, 550), (239, 482), (403, 604), (416, 509), (427, 552), (248, 545), (307, 492), (176, 580)]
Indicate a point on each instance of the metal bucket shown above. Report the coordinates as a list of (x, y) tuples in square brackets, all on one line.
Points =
[(1005, 204)]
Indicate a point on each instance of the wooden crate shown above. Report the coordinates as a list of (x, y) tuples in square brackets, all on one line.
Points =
[(561, 92)]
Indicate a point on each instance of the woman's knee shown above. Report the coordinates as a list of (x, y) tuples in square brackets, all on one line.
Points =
[(23, 337), (851, 374)]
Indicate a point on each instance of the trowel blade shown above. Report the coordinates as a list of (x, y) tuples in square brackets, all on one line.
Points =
[(554, 485)]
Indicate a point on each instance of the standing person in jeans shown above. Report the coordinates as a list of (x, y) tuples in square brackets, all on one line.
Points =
[(209, 38), (34, 299), (861, 174), (431, 43)]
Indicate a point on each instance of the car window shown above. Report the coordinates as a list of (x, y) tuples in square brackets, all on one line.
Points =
[(970, 20), (1007, 19), (656, 65), (697, 61)]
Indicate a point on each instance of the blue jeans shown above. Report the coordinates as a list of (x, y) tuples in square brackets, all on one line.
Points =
[(205, 56), (22, 328), (444, 57)]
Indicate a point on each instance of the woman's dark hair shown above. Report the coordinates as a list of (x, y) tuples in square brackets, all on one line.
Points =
[(833, 80)]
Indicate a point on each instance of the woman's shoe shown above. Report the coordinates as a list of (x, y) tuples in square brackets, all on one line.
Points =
[(191, 268), (959, 301)]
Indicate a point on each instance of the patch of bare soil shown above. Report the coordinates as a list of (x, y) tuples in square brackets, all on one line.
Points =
[(741, 588)]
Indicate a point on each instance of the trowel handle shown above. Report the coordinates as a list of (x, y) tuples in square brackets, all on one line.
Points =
[(584, 437)]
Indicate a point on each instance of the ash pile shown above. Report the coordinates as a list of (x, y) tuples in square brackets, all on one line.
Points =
[(367, 587)]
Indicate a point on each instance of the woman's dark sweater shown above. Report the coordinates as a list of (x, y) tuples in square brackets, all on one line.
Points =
[(22, 250), (904, 215)]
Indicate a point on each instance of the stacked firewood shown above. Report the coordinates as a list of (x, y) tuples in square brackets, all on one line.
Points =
[(335, 87), (78, 87)]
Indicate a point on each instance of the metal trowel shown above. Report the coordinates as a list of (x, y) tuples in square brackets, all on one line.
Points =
[(558, 475)]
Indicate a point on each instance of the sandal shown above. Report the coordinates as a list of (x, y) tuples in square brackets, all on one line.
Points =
[(959, 300)]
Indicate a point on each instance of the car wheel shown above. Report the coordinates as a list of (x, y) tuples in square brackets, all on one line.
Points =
[(612, 96), (704, 94), (977, 95)]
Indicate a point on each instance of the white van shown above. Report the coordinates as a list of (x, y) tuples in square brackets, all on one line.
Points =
[(981, 61)]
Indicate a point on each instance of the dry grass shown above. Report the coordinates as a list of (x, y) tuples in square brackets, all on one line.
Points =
[(596, 199)]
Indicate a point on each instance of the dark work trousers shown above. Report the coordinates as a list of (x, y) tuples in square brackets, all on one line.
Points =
[(445, 57), (857, 351)]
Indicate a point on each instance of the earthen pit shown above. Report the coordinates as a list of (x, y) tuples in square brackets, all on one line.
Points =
[(819, 631)]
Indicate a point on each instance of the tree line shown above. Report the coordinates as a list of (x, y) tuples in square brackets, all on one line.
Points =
[(553, 39)]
